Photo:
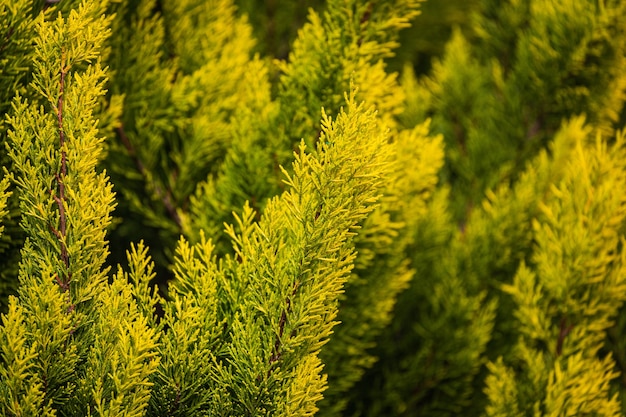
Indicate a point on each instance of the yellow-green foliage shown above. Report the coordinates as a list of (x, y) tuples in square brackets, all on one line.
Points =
[(381, 270), (349, 41), (325, 238), (498, 96), (16, 34), (240, 335), (184, 76), (570, 291), (249, 171), (71, 343), (4, 195), (243, 334), (310, 226), (342, 46), (345, 44), (500, 92), (429, 367)]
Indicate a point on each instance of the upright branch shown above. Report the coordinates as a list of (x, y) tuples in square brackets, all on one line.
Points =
[(59, 198)]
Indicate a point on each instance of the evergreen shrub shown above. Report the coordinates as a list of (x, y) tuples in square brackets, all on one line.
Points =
[(209, 208)]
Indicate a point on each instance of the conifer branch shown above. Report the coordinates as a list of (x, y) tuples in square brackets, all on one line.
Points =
[(60, 198), (164, 196)]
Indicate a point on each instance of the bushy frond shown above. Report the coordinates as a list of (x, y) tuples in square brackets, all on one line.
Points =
[(501, 90), (382, 270), (279, 291), (72, 343), (347, 42), (300, 255), (17, 31), (571, 290), (189, 84)]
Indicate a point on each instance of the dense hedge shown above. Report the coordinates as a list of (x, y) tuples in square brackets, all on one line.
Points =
[(211, 208)]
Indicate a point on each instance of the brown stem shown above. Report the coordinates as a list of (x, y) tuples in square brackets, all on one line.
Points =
[(7, 39), (564, 330), (277, 353), (60, 197), (164, 196), (367, 14)]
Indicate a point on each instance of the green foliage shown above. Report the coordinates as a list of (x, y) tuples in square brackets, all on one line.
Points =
[(443, 244), (331, 51), (276, 23), (309, 226), (15, 49), (76, 343), (358, 36), (243, 334), (249, 171), (71, 343), (381, 269), (429, 367), (357, 46), (426, 39), (16, 34), (569, 293), (505, 151), (4, 195), (179, 78), (499, 98)]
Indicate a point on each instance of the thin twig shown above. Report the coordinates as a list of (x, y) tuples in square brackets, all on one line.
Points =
[(277, 352), (7, 38)]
